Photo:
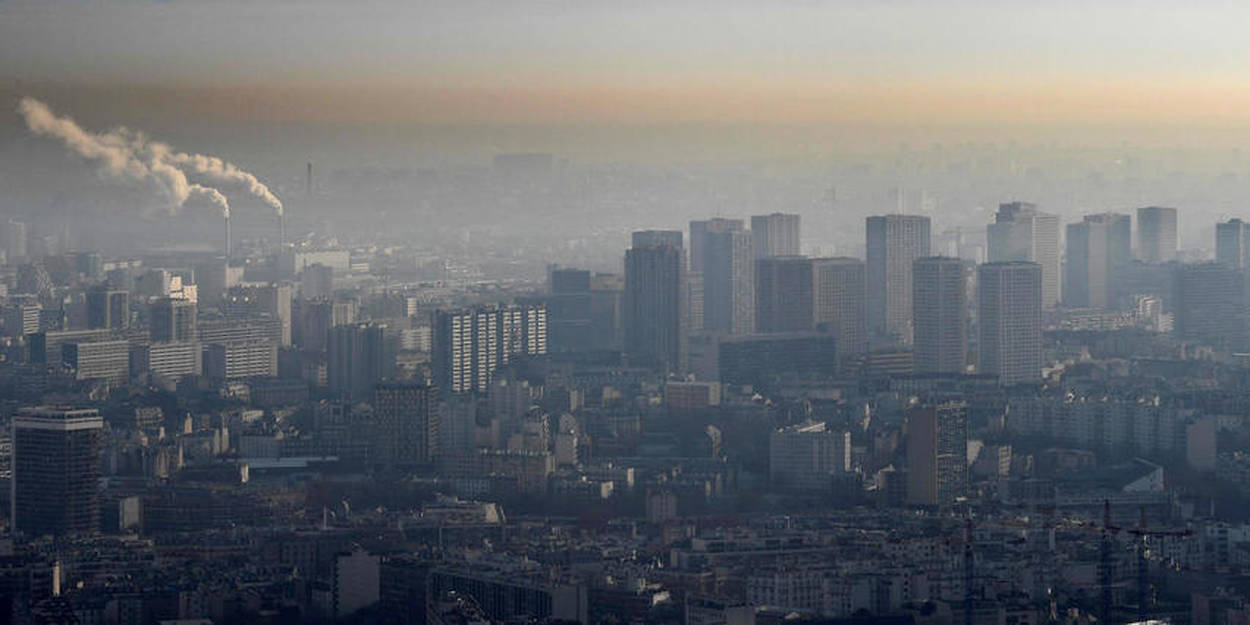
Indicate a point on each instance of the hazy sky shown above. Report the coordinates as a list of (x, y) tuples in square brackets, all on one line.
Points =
[(610, 61)]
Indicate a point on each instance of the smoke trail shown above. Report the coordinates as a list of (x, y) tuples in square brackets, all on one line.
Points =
[(112, 152), (118, 157), (220, 171), (213, 196)]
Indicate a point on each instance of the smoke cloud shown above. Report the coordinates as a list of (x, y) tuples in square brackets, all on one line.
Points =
[(128, 155), (217, 170), (112, 151)]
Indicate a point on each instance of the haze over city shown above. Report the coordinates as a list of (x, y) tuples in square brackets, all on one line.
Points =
[(694, 313)]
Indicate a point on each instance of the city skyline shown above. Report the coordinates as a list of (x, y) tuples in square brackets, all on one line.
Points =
[(581, 313)]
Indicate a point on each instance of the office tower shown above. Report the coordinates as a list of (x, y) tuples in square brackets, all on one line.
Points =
[(230, 331), (98, 360), (784, 294), (174, 320), (1156, 234), (695, 288), (699, 230), (273, 300), (1009, 312), (237, 360), (937, 454), (44, 347), (894, 242), (694, 302), (405, 421), (318, 316), (1209, 307), (470, 344), (655, 299), (569, 310), (775, 235), (1230, 243), (806, 457), (606, 291), (21, 318), (169, 360), (316, 281), (656, 238), (728, 278), (15, 237), (357, 358), (938, 297), (1021, 232), (1099, 255), (56, 471), (840, 304)]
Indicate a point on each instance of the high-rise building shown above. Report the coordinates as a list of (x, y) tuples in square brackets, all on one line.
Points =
[(938, 298), (1209, 305), (1009, 312), (15, 238), (1099, 255), (406, 420), (776, 234), (45, 347), (56, 471), (605, 310), (568, 310), (1021, 232), (894, 242), (583, 311), (316, 317), (937, 454), (1230, 243), (174, 320), (108, 308), (655, 299), (228, 330), (237, 360), (316, 281), (784, 294), (1156, 234), (172, 360), (699, 230), (840, 304), (470, 344), (728, 275), (21, 318), (358, 356), (98, 360), (806, 457), (273, 300)]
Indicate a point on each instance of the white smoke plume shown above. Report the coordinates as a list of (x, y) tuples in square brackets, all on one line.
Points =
[(220, 171), (128, 155), (213, 196), (111, 151)]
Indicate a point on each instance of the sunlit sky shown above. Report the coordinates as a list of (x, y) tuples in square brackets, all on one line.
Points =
[(470, 61)]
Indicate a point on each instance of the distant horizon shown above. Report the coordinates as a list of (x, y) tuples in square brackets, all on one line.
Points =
[(1100, 73)]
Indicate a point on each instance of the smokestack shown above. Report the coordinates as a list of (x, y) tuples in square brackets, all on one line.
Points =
[(282, 230), (227, 239), (308, 180)]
